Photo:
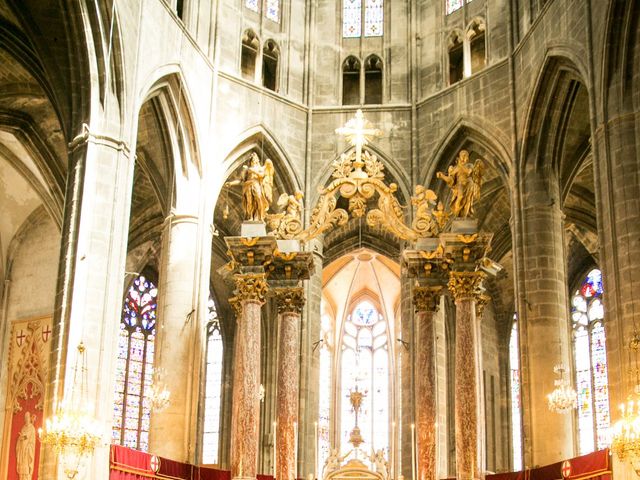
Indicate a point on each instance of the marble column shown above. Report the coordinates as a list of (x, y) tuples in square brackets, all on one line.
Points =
[(245, 414), (464, 288), (426, 301), (290, 302)]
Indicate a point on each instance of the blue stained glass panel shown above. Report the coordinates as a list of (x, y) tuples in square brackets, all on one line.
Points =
[(373, 18), (590, 355), (351, 18), (251, 5), (273, 10), (134, 365)]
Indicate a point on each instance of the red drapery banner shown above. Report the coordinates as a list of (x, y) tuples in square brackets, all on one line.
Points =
[(128, 464), (596, 466)]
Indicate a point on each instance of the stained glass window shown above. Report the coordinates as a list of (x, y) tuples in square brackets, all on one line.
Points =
[(516, 409), (453, 5), (351, 18), (590, 357), (273, 10), (134, 367), (252, 5), (324, 419), (373, 18), (213, 388), (365, 365)]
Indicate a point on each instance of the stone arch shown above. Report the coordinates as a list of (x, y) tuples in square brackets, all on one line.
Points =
[(228, 200), (65, 62), (621, 58), (557, 93), (466, 130), (394, 169)]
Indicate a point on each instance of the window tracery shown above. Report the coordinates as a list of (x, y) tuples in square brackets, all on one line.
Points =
[(354, 16), (454, 5), (365, 364), (590, 357), (134, 367)]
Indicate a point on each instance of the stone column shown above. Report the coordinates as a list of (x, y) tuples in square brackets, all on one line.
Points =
[(169, 433), (248, 300), (543, 329), (464, 288), (290, 302), (426, 301)]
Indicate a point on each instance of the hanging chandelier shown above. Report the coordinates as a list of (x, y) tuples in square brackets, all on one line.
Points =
[(625, 442), (564, 398), (159, 394), (625, 433), (72, 432)]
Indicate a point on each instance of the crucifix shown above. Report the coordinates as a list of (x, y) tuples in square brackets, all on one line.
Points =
[(358, 132)]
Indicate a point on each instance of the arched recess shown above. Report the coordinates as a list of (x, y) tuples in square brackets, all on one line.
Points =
[(65, 61), (557, 152), (259, 140), (620, 72), (494, 208)]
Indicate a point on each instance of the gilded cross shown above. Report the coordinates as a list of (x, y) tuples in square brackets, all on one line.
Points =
[(358, 132)]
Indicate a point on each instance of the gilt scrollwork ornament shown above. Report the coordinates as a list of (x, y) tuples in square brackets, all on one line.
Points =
[(288, 223), (426, 299), (465, 285), (290, 300), (250, 287)]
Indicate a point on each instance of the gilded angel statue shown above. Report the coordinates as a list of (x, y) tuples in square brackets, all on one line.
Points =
[(257, 188), (464, 180), (288, 223)]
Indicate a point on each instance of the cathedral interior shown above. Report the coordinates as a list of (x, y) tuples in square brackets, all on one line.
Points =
[(319, 239)]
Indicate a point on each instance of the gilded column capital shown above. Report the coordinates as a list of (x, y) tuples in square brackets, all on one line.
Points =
[(465, 284), (426, 299), (290, 300), (250, 287)]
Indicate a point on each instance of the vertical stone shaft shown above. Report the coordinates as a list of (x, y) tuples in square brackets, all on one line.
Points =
[(245, 413), (544, 333), (426, 302), (290, 303), (169, 435), (464, 287)]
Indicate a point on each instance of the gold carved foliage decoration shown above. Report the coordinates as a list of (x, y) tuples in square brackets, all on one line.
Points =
[(250, 287), (426, 299), (28, 376), (290, 300), (463, 285)]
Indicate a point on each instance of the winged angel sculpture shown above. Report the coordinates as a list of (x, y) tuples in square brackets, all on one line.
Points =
[(257, 188)]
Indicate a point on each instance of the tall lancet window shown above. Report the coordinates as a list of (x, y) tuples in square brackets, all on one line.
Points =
[(516, 409), (324, 393), (134, 368), (590, 357), (213, 389), (365, 364)]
